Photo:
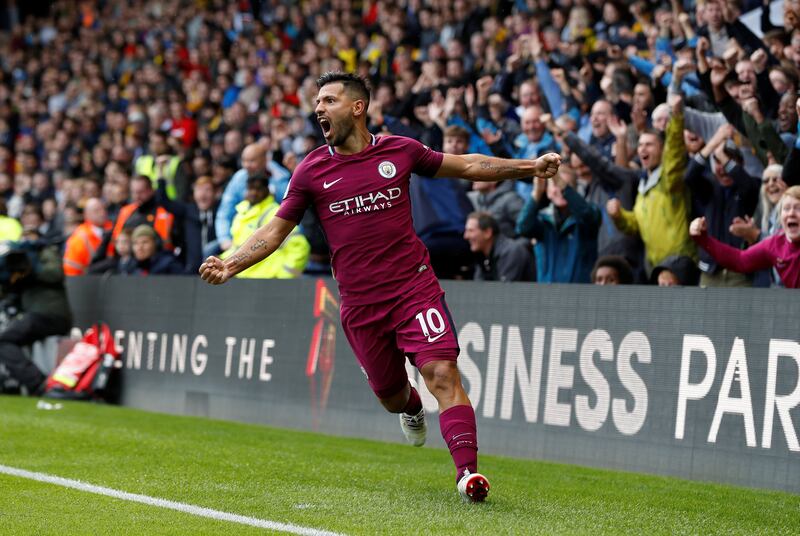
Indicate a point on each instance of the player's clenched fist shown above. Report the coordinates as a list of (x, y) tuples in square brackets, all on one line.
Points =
[(547, 165), (214, 271)]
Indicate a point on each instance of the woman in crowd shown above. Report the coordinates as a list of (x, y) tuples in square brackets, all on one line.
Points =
[(781, 250), (148, 258)]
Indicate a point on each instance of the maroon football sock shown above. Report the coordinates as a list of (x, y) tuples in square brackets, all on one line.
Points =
[(414, 404), (460, 433)]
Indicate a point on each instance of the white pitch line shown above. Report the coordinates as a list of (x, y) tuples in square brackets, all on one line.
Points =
[(163, 503)]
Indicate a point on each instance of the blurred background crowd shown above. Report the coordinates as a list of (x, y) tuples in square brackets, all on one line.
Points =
[(143, 135)]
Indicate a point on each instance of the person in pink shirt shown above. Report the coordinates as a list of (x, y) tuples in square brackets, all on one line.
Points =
[(781, 250), (392, 305)]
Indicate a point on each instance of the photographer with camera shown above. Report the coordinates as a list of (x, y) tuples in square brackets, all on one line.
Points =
[(31, 275)]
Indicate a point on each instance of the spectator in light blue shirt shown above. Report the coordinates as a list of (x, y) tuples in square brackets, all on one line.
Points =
[(598, 134), (254, 161), (535, 140)]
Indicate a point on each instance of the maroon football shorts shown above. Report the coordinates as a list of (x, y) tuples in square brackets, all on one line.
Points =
[(383, 334)]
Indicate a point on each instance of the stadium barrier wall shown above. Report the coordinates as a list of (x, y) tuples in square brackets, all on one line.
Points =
[(700, 384)]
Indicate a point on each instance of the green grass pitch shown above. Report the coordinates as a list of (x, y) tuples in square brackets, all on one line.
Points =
[(351, 486)]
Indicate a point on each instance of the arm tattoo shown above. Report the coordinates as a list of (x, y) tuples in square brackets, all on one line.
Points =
[(498, 169), (240, 258), (258, 244)]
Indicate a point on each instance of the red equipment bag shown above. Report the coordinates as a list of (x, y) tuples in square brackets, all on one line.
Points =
[(88, 370)]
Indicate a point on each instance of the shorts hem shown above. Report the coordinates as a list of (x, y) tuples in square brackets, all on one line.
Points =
[(426, 356)]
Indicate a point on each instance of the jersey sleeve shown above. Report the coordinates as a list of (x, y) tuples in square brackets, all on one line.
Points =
[(297, 197), (757, 257), (426, 161)]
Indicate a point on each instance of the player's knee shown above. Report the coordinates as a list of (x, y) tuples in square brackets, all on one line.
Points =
[(396, 402), (440, 376)]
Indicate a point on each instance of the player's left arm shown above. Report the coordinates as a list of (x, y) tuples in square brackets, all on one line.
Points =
[(478, 167)]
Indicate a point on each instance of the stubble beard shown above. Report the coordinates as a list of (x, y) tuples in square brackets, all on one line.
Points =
[(345, 128)]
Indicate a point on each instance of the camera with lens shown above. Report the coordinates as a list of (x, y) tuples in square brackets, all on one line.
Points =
[(17, 258)]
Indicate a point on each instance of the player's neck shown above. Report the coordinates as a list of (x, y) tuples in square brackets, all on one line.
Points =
[(356, 142)]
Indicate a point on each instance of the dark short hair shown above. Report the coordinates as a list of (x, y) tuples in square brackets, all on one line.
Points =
[(733, 152), (485, 221), (618, 263), (258, 180), (143, 178), (354, 85), (227, 162), (654, 132)]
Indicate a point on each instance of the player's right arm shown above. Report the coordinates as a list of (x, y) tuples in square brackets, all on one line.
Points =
[(258, 247), (478, 167)]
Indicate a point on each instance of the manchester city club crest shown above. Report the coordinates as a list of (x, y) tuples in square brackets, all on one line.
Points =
[(387, 169)]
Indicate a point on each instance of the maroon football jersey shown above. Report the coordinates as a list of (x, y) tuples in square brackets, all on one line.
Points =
[(363, 205)]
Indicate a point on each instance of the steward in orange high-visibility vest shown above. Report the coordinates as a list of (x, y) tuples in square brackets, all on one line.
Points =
[(86, 239), (144, 210)]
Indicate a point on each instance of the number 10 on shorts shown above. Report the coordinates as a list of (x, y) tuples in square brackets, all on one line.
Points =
[(431, 321)]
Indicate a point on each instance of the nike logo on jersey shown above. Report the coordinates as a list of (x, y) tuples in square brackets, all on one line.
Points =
[(327, 184), (436, 338)]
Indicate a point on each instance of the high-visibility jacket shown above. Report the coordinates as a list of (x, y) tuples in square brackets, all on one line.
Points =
[(10, 229), (287, 262), (162, 221), (146, 165), (81, 247)]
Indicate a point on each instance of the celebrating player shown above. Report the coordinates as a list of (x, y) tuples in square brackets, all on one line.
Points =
[(392, 303)]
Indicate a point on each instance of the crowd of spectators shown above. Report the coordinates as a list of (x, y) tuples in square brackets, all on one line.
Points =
[(146, 134)]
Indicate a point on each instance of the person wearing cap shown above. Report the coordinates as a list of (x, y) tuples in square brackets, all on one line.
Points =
[(259, 207), (721, 191), (148, 258), (676, 271)]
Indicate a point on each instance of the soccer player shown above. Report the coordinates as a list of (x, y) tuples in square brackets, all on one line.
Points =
[(391, 303)]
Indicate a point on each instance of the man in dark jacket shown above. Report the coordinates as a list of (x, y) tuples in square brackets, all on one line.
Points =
[(439, 209), (32, 273), (197, 219), (501, 258), (721, 194), (499, 199)]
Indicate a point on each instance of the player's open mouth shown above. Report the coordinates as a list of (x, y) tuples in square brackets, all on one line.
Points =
[(325, 124), (793, 226)]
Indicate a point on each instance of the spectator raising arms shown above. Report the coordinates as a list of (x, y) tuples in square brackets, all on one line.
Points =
[(781, 251), (565, 227), (661, 211), (154, 89)]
